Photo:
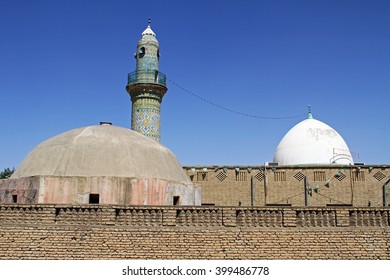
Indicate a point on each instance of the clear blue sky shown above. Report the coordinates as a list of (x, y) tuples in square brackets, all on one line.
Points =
[(64, 64)]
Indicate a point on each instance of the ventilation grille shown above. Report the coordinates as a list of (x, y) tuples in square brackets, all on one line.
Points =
[(280, 176), (379, 176), (299, 176), (319, 176), (221, 176), (260, 176), (340, 176), (241, 176)]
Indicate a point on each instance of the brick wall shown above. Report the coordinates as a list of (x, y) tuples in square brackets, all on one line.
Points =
[(360, 186), (117, 232)]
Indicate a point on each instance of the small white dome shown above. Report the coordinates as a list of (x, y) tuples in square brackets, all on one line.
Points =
[(312, 142)]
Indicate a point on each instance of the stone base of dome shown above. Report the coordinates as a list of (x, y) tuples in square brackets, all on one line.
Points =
[(101, 190)]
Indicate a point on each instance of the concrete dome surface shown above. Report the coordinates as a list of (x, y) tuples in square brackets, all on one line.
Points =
[(102, 150), (312, 142)]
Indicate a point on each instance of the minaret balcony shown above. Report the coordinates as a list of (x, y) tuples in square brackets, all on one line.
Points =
[(142, 77)]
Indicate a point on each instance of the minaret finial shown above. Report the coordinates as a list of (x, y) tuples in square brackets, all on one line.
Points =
[(310, 116), (149, 21)]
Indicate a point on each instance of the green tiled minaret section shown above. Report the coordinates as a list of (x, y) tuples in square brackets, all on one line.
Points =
[(149, 59), (145, 117), (146, 86)]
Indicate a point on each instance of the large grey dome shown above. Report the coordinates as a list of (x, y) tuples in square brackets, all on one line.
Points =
[(102, 150)]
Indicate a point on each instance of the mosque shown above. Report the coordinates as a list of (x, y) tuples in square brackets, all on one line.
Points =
[(107, 192), (106, 164)]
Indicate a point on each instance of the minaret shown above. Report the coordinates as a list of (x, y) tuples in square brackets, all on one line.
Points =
[(147, 86)]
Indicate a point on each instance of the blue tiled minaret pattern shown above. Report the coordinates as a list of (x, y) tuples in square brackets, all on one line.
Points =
[(147, 86)]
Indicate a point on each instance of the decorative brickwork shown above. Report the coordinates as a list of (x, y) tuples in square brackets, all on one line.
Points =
[(365, 218), (260, 218), (139, 217), (316, 218), (199, 217)]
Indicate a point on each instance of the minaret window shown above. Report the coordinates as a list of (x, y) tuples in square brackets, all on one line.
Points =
[(158, 54), (141, 52)]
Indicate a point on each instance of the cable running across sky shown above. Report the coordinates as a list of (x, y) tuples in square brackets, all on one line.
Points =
[(234, 111)]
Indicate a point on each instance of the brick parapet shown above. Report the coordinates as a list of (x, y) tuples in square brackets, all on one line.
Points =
[(289, 218), (342, 218), (211, 216)]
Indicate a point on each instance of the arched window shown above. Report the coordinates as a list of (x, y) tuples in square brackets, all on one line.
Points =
[(141, 52)]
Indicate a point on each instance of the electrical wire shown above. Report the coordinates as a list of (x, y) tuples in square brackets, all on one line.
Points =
[(234, 111), (288, 198), (330, 198)]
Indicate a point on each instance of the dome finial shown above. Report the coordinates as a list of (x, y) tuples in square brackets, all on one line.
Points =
[(148, 30), (309, 116)]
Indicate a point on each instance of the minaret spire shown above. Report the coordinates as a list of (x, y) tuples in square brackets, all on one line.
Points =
[(147, 86)]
